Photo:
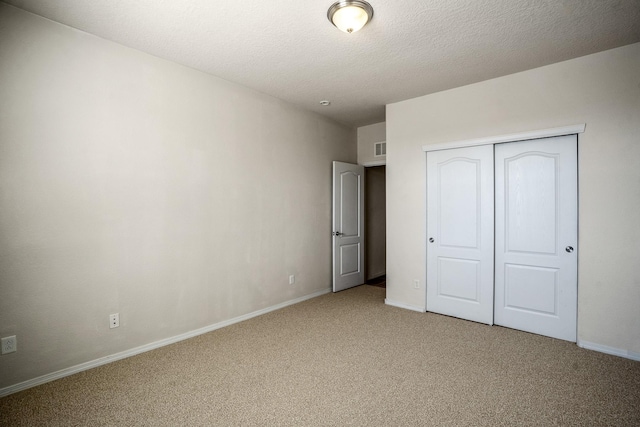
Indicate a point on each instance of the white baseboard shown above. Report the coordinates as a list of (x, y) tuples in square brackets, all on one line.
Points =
[(148, 347), (405, 306), (627, 354)]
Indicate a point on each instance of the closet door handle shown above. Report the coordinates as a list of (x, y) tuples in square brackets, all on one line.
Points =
[(569, 249), (431, 240)]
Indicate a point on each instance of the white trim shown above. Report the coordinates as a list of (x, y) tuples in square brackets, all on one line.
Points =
[(405, 306), (148, 347), (627, 354), (522, 136), (374, 163)]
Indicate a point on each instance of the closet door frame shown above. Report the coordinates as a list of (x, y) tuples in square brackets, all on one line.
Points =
[(513, 137)]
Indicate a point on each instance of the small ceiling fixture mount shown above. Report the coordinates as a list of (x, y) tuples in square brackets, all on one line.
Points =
[(350, 15), (325, 103)]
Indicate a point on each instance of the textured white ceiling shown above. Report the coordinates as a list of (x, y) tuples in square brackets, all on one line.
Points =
[(290, 50)]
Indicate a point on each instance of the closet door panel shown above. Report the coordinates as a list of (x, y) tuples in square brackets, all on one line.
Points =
[(460, 233), (531, 207), (536, 236)]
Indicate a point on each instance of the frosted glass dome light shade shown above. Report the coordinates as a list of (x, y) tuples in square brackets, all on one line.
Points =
[(350, 16)]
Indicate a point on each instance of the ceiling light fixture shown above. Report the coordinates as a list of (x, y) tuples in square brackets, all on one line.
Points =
[(325, 103), (351, 15)]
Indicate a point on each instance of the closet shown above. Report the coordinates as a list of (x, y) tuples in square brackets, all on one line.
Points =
[(502, 234)]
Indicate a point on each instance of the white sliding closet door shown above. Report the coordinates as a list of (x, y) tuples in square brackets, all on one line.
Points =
[(537, 236), (460, 233)]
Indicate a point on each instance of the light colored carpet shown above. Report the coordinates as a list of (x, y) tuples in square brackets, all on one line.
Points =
[(345, 359)]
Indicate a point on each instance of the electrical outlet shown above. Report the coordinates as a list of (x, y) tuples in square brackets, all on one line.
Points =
[(292, 279), (9, 344), (114, 320), (416, 283)]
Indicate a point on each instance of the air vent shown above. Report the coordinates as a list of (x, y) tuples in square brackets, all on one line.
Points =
[(380, 149)]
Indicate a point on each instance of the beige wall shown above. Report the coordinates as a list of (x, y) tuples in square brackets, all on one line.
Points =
[(367, 137), (134, 185), (601, 90)]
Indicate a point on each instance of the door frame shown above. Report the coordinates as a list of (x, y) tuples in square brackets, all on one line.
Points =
[(367, 236)]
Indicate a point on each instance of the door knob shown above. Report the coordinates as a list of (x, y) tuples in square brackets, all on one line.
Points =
[(337, 233), (431, 240), (569, 249)]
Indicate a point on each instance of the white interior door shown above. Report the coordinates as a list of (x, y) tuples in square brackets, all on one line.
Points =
[(348, 225), (536, 236), (460, 233)]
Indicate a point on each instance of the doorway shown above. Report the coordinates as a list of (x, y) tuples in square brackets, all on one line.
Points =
[(359, 225), (375, 226)]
